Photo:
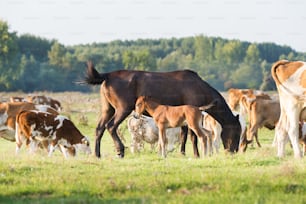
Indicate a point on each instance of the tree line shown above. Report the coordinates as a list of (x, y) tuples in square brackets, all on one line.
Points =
[(30, 63)]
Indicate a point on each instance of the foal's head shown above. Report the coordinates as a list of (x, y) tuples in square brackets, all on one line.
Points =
[(140, 105)]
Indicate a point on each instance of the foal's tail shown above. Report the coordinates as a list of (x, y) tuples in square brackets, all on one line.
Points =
[(204, 108), (93, 76)]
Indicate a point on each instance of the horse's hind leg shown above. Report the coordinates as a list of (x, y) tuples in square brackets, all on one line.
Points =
[(107, 113), (112, 126), (184, 134)]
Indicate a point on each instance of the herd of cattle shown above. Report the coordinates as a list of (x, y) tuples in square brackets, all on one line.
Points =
[(36, 120)]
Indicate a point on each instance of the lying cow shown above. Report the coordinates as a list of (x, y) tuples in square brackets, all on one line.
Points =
[(44, 100), (58, 130), (144, 129), (8, 113)]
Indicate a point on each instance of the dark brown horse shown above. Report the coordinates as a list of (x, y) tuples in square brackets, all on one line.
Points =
[(120, 90)]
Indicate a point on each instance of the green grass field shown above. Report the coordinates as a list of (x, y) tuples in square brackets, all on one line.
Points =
[(256, 176)]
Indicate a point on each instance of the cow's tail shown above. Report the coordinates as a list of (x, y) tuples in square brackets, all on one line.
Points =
[(93, 77), (273, 70)]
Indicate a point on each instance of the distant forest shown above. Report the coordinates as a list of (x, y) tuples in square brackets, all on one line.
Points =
[(30, 63)]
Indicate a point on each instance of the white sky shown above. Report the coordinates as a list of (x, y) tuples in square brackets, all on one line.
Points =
[(80, 21)]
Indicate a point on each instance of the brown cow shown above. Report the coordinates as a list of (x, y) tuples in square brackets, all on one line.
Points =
[(45, 100), (261, 113), (58, 130), (8, 113), (174, 116)]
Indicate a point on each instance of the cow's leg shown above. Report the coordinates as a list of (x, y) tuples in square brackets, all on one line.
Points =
[(33, 146), (281, 138), (52, 146), (293, 131), (64, 151), (19, 138), (184, 134), (107, 113), (256, 138), (112, 126)]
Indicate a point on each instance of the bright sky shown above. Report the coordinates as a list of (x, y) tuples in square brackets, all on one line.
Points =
[(86, 21)]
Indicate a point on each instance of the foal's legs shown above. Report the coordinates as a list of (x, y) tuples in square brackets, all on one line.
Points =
[(162, 140)]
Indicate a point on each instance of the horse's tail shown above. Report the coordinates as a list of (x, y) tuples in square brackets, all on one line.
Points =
[(93, 77), (204, 108)]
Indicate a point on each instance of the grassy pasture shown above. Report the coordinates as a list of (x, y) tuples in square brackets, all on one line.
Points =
[(257, 176)]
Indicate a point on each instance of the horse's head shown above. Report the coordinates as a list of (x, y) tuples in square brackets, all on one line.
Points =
[(231, 135)]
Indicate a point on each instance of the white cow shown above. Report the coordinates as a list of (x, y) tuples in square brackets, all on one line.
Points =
[(290, 79), (144, 129)]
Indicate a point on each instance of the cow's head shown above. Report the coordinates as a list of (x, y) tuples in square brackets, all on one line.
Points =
[(84, 146)]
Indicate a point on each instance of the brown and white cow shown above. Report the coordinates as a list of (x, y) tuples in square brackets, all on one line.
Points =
[(290, 80), (58, 130), (8, 113), (45, 100)]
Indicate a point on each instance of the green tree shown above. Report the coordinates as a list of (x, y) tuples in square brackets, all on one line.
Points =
[(56, 54), (139, 60), (8, 57)]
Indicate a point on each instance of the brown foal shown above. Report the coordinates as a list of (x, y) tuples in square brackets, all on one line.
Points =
[(175, 116)]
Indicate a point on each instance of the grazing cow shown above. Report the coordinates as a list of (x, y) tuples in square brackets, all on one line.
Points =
[(261, 113), (58, 130), (44, 100), (290, 80), (174, 116), (8, 113), (144, 129), (120, 89)]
